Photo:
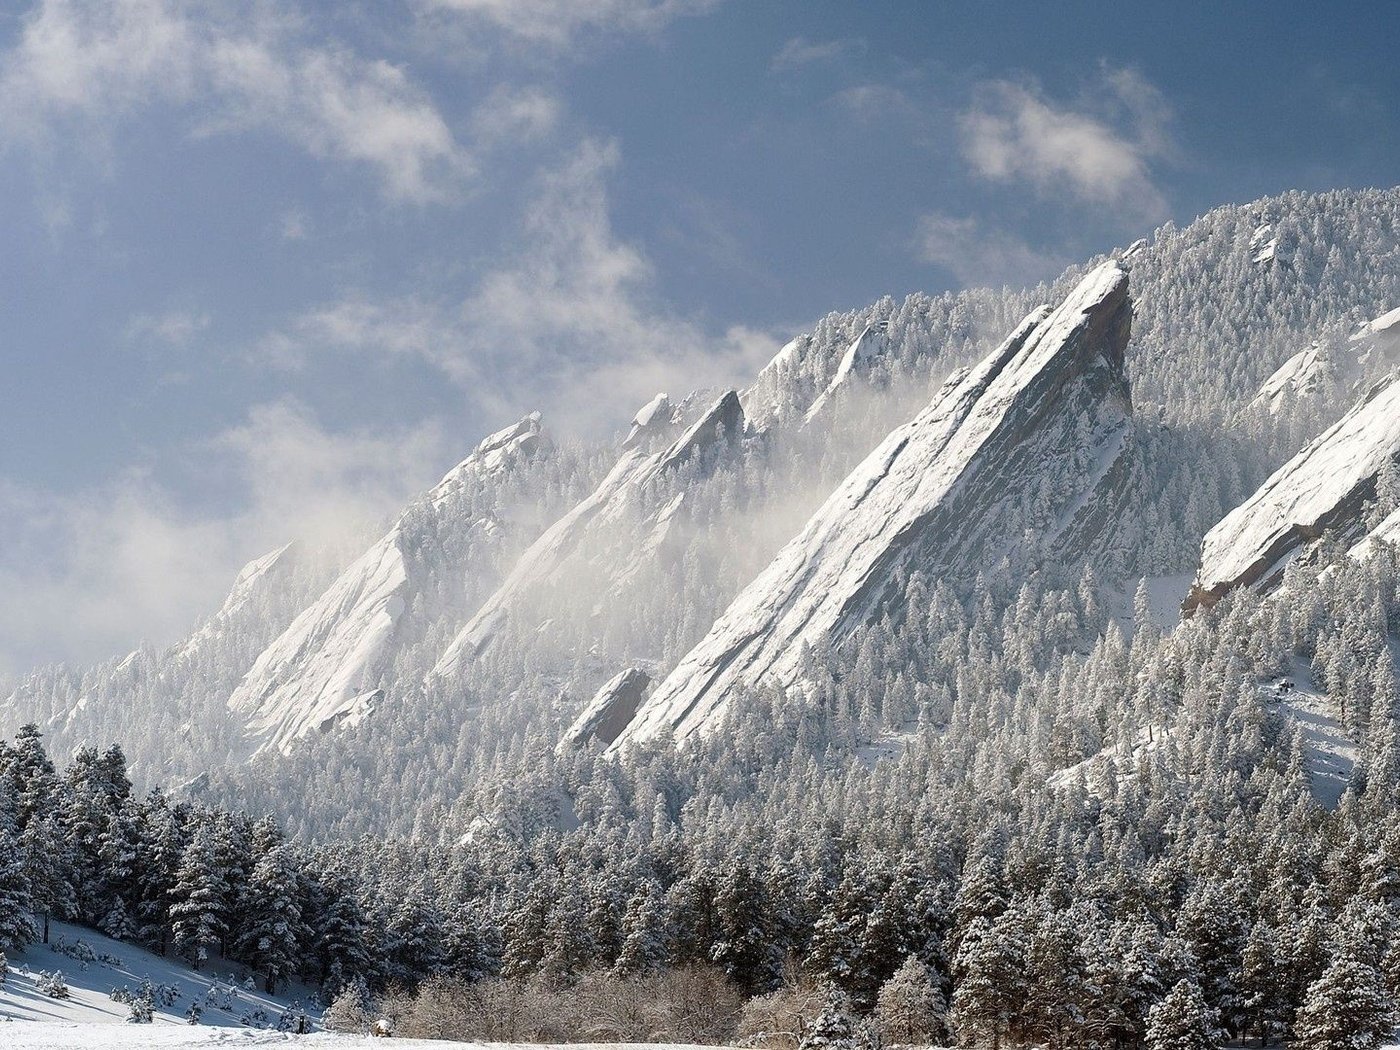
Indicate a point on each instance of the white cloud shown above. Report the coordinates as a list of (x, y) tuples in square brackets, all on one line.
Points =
[(175, 328), (516, 114), (799, 52), (567, 324), (240, 66), (976, 255), (558, 23), (94, 565), (873, 101), (1102, 152)]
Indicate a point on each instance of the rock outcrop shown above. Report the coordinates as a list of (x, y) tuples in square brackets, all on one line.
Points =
[(870, 346), (1031, 442), (611, 503), (1323, 488), (611, 709)]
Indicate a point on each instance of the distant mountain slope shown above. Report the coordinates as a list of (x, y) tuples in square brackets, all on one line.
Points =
[(331, 663)]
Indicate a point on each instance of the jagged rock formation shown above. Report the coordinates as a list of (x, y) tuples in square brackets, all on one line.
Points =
[(609, 504), (869, 347), (252, 579), (1304, 375), (1032, 439), (611, 709), (1324, 487), (327, 667), (658, 409)]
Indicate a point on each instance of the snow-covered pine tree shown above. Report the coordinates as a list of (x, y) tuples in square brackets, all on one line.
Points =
[(911, 1008), (271, 926), (1347, 1008), (199, 898), (1183, 1021), (17, 927)]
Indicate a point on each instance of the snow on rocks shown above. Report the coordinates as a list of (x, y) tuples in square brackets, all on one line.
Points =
[(637, 466), (655, 413), (1263, 244), (326, 668), (1324, 487), (258, 574), (495, 454), (1033, 437), (762, 403), (1335, 365), (1303, 375), (1387, 324)]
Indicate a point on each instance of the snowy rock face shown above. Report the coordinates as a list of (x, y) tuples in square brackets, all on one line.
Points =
[(327, 668), (498, 453), (610, 710), (1341, 366), (1263, 245), (1031, 440), (761, 400), (1304, 375), (869, 347), (644, 460), (1324, 487)]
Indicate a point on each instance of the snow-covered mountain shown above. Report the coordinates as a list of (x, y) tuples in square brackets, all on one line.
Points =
[(497, 606), (1029, 448), (330, 665), (605, 519)]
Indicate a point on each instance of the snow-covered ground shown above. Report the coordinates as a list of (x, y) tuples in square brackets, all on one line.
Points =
[(89, 1004), (1164, 597), (1331, 754), (29, 1035)]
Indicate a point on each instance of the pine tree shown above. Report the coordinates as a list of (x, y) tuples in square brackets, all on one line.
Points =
[(340, 933), (1347, 1008), (17, 927), (48, 864), (835, 1028), (643, 932), (199, 898), (272, 930), (911, 1008), (1183, 1021)]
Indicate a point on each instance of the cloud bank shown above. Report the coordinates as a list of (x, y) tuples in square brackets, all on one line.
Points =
[(566, 323), (95, 62), (1101, 151)]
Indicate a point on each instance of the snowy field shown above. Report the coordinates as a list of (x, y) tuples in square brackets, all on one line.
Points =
[(29, 1035), (220, 991), (89, 1019), (36, 1035)]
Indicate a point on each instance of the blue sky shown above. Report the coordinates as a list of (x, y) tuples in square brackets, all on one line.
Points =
[(270, 268)]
